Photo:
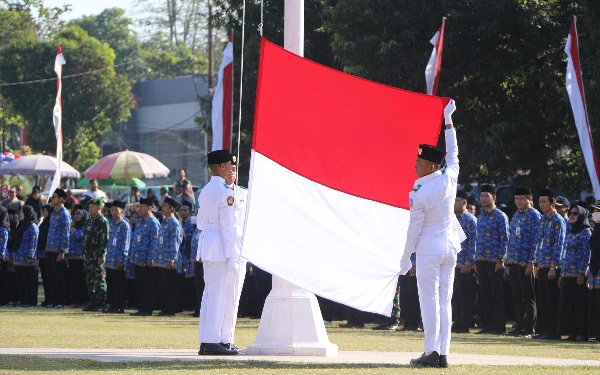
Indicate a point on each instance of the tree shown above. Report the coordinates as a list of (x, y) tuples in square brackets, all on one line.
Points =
[(88, 156), (503, 63), (112, 27), (228, 16), (92, 103), (45, 20)]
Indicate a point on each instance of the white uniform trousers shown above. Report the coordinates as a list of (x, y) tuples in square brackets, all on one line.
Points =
[(435, 281), (217, 311), (231, 310)]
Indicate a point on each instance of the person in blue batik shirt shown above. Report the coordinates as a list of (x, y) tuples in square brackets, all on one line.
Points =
[(4, 233), (57, 247), (550, 241), (520, 258), (492, 243), (593, 283), (464, 280), (562, 208), (143, 240), (25, 258), (198, 269), (572, 316), (187, 295), (119, 235), (76, 270), (165, 257)]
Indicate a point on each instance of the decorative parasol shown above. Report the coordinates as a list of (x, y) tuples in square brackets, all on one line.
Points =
[(38, 165), (126, 165)]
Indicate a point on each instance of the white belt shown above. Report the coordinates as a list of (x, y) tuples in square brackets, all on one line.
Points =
[(211, 226)]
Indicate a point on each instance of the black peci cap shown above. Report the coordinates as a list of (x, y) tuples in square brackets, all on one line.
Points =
[(432, 154), (218, 157)]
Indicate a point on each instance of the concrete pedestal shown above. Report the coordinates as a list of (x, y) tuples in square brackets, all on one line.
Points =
[(291, 324)]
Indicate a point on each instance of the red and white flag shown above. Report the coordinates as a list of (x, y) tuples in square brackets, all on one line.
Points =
[(57, 117), (578, 105), (434, 66), (332, 165), (222, 103)]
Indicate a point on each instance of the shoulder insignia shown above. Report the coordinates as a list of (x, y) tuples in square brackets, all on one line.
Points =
[(416, 188), (230, 200)]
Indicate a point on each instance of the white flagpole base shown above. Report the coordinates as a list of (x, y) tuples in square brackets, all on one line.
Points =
[(291, 324)]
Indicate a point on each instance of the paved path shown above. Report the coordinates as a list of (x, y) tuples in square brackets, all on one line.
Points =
[(129, 355)]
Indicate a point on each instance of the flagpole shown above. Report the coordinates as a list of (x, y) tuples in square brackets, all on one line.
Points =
[(57, 118), (291, 322)]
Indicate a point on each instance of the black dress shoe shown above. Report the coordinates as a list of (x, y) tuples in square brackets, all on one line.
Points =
[(201, 351), (444, 361), (515, 332), (195, 315), (89, 308), (162, 313), (460, 330), (216, 349), (431, 360), (348, 325), (484, 331), (497, 332), (230, 346)]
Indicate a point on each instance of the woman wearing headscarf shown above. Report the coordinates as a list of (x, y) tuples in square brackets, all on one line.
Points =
[(593, 283), (4, 233), (35, 202), (77, 283), (41, 249), (572, 316), (25, 258), (11, 277)]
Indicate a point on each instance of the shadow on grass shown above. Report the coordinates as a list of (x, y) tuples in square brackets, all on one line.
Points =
[(30, 363)]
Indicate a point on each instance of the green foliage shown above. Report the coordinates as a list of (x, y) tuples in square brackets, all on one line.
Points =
[(163, 60), (44, 21), (88, 156), (112, 27), (91, 103)]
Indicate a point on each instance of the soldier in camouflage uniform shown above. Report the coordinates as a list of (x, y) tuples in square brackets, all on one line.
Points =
[(95, 242)]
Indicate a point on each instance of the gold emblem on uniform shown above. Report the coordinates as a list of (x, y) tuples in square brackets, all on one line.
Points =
[(233, 158), (420, 150), (230, 200), (547, 256), (488, 251)]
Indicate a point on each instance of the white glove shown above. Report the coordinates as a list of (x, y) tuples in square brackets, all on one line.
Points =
[(232, 265), (448, 111), (405, 266)]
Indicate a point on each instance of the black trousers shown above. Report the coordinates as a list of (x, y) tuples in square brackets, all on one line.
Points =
[(146, 286), (3, 283), (523, 298), (199, 282), (26, 284), (464, 298), (77, 284), (131, 294), (43, 271), (115, 280), (56, 279), (594, 314), (187, 296), (572, 313), (492, 293), (548, 301), (169, 287), (263, 282), (409, 293)]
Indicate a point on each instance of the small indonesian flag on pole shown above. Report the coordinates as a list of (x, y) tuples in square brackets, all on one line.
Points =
[(577, 98), (57, 115), (432, 72), (222, 104)]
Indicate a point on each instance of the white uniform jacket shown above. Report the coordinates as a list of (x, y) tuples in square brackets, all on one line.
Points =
[(433, 228), (241, 200), (216, 219)]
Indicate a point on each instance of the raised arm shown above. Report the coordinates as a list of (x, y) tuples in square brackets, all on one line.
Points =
[(451, 144)]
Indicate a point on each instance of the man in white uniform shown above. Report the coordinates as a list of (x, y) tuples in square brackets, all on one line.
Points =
[(216, 248), (435, 235), (234, 287)]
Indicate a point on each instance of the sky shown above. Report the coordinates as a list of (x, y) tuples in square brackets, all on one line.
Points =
[(90, 7)]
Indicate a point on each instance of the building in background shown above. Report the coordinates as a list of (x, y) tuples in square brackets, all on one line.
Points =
[(163, 125)]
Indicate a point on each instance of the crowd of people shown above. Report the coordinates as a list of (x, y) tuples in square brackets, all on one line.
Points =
[(540, 269), (90, 255)]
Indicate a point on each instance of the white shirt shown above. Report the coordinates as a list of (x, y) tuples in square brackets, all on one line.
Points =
[(433, 228), (241, 199), (95, 194), (216, 220)]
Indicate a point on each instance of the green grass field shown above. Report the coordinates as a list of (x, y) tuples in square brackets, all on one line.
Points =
[(70, 328)]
